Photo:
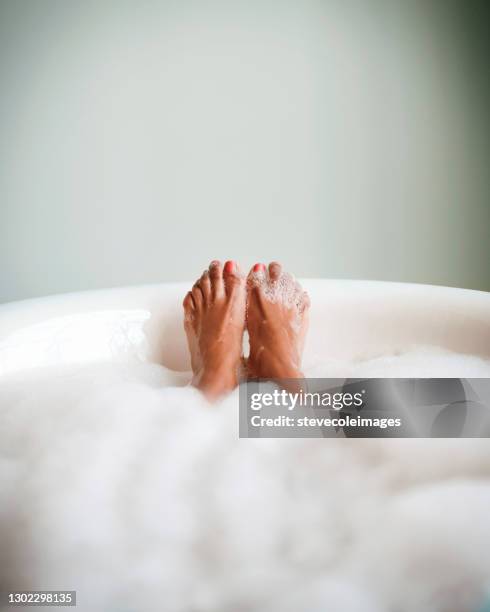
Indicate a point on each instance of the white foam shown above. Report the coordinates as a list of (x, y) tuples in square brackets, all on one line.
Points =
[(122, 483), (285, 290)]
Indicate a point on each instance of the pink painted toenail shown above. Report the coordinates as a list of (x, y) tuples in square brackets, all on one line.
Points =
[(259, 267), (230, 267)]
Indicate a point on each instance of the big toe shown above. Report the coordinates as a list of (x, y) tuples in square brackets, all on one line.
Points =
[(257, 275), (231, 275)]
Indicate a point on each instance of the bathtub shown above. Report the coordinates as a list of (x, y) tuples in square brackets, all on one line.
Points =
[(350, 320), (122, 483)]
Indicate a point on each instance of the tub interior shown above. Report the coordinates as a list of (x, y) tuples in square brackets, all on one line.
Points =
[(349, 321), (120, 481)]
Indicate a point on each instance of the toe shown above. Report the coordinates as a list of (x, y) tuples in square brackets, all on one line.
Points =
[(275, 270), (188, 302), (205, 284), (257, 274), (197, 296), (189, 308), (231, 275), (304, 302), (258, 268), (216, 277)]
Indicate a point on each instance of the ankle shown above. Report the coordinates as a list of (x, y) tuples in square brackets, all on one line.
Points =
[(215, 382), (265, 365)]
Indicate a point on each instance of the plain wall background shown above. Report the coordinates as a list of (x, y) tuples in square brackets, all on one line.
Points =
[(140, 140)]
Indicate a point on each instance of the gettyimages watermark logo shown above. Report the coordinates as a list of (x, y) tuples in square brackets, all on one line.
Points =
[(365, 408)]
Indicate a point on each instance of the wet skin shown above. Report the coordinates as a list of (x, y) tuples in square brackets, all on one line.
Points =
[(222, 303)]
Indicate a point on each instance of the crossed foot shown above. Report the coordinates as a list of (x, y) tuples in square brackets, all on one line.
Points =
[(222, 303)]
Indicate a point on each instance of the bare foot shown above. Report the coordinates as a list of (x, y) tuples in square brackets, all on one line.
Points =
[(214, 321), (277, 321)]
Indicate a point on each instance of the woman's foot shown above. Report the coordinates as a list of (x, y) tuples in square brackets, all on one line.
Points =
[(277, 321), (214, 320)]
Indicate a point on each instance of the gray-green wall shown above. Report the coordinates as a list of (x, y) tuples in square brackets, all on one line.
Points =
[(141, 139)]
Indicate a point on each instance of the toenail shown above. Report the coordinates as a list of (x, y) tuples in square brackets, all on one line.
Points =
[(230, 267), (215, 262), (259, 267)]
